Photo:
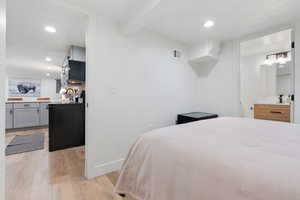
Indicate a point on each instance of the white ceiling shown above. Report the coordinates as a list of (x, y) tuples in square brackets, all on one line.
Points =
[(116, 10), (272, 43), (28, 44), (183, 20)]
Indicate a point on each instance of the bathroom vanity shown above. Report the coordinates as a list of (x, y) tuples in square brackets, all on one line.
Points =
[(275, 112)]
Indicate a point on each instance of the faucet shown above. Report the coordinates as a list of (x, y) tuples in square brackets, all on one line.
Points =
[(281, 98)]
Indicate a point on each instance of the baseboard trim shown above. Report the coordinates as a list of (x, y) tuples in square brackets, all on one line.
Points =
[(102, 169)]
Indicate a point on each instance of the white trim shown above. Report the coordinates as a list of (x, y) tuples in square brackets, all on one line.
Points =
[(296, 61), (2, 94), (86, 161), (267, 31), (102, 169), (293, 50), (89, 168)]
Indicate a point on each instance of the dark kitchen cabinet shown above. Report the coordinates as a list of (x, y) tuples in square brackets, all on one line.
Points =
[(77, 71), (66, 126)]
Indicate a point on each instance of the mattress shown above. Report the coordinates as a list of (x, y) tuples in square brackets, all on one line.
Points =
[(216, 159)]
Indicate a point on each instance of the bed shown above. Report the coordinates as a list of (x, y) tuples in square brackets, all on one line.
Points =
[(216, 159)]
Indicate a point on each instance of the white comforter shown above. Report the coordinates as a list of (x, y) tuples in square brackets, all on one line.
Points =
[(217, 159)]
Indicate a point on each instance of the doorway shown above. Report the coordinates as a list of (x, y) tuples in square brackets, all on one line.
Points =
[(267, 77), (44, 94)]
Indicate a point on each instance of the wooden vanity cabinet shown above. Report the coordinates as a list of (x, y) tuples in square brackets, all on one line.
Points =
[(272, 112)]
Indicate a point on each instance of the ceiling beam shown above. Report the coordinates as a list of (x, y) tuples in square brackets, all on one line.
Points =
[(138, 20)]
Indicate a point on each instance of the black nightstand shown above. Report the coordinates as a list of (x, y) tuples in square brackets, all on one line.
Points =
[(194, 116)]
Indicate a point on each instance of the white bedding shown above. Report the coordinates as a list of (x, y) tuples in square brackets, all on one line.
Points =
[(217, 159)]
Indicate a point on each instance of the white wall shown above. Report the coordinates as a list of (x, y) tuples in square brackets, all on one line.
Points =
[(48, 89), (250, 70), (134, 85), (297, 73), (219, 90), (218, 86), (2, 86)]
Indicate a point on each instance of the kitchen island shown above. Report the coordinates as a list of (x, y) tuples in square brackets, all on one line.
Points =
[(66, 125)]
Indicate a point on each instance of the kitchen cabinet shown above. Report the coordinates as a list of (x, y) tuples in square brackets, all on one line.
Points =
[(77, 53), (9, 116), (44, 115), (26, 105), (26, 117), (77, 71), (66, 126)]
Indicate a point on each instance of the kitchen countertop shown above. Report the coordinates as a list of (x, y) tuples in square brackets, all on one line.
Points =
[(274, 104), (40, 101), (61, 103)]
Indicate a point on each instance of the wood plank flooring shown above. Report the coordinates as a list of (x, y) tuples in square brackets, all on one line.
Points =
[(58, 175)]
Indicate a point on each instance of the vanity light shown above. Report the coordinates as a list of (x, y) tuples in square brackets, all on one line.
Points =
[(268, 61), (281, 60), (209, 24), (50, 29)]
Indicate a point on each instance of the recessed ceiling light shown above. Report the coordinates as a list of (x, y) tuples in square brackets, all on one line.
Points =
[(50, 29), (47, 74), (209, 24), (48, 59), (48, 67)]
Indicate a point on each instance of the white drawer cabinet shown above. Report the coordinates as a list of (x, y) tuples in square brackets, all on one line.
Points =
[(23, 115), (44, 115), (26, 105), (9, 116), (26, 117)]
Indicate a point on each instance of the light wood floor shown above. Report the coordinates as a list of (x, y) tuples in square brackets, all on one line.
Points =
[(58, 175)]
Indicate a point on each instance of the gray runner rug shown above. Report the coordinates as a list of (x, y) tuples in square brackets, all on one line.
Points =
[(25, 143)]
